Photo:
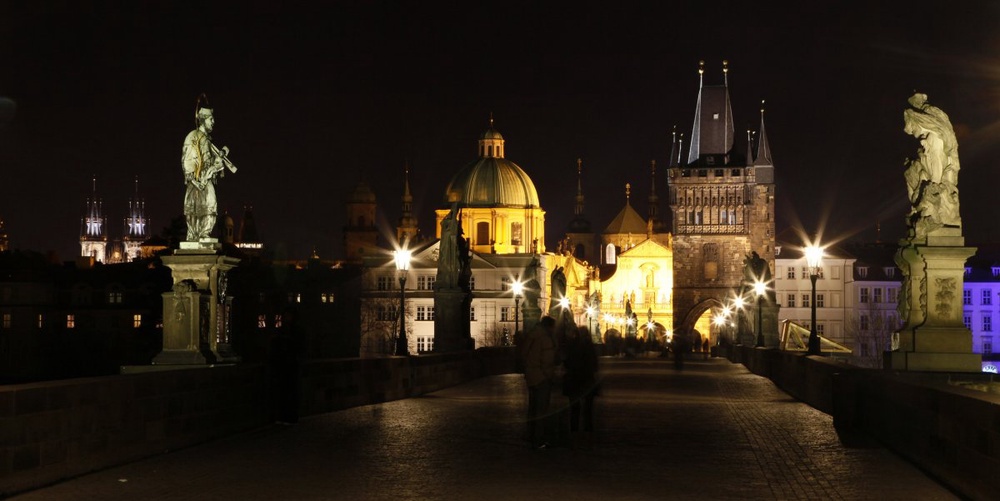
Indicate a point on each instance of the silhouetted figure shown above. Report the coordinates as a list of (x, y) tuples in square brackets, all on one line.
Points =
[(539, 372), (284, 362), (580, 384), (704, 349)]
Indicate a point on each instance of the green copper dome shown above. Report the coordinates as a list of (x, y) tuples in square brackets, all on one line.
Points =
[(492, 182)]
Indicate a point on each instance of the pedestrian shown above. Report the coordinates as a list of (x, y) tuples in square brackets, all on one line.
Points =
[(704, 349), (539, 372), (580, 385)]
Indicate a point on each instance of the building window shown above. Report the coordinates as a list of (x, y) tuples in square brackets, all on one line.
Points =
[(294, 297), (892, 294), (987, 297), (472, 314), (865, 294), (877, 295), (136, 321), (987, 345), (819, 301), (819, 327), (41, 321), (277, 321), (996, 271), (70, 321), (862, 271), (805, 300), (515, 233), (472, 283), (384, 283), (425, 313), (967, 320), (426, 282), (863, 322), (6, 320), (791, 273), (890, 272), (425, 344), (791, 300), (609, 254), (506, 314), (966, 296), (505, 283), (482, 233), (115, 297), (261, 321), (987, 323)]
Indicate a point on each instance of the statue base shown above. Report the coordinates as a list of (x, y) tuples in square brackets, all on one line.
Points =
[(197, 311), (202, 246), (451, 321), (935, 337)]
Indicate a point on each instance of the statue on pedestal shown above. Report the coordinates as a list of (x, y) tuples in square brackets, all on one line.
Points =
[(202, 163), (931, 178)]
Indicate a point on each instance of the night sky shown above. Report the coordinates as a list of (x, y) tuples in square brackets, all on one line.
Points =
[(312, 97)]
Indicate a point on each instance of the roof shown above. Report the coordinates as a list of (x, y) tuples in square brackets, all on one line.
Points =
[(492, 182), (627, 221)]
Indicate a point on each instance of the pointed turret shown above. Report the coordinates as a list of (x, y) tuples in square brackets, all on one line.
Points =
[(406, 231), (749, 147), (713, 131), (675, 150), (136, 225), (763, 146)]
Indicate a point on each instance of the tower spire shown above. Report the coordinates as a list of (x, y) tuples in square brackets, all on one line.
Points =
[(578, 210), (628, 193), (406, 232), (675, 154), (653, 199), (763, 147), (749, 147)]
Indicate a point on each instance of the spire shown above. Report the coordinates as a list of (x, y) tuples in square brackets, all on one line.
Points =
[(406, 231), (713, 131), (749, 147), (578, 210), (628, 193), (675, 151), (653, 199), (763, 147)]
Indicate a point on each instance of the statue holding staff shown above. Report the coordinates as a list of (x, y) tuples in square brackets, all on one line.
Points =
[(202, 163)]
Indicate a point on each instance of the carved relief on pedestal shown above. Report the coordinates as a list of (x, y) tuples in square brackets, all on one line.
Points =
[(944, 297)]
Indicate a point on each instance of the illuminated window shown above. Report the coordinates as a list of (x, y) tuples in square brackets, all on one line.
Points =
[(115, 297), (136, 320), (70, 321), (41, 321), (425, 313), (261, 321), (277, 321), (515, 233), (322, 297), (609, 254), (425, 344), (6, 320)]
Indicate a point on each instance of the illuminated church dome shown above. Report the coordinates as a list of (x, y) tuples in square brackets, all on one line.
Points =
[(499, 206), (492, 180)]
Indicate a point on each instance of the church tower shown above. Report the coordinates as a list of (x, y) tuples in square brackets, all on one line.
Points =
[(136, 225), (93, 231), (360, 234), (580, 238), (723, 209), (406, 232)]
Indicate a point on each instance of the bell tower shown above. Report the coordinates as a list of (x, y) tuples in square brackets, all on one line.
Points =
[(93, 231), (360, 234)]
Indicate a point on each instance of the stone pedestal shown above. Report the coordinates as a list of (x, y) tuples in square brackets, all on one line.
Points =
[(196, 312), (769, 321), (451, 320), (934, 337)]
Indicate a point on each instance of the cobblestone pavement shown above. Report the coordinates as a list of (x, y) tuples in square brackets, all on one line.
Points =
[(711, 431)]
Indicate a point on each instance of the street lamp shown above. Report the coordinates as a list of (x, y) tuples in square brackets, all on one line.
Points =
[(590, 318), (402, 258), (759, 288), (814, 258), (518, 288)]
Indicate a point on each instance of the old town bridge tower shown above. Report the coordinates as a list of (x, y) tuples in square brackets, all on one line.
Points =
[(723, 206)]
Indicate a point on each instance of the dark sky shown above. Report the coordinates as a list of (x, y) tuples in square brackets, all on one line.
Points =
[(310, 97)]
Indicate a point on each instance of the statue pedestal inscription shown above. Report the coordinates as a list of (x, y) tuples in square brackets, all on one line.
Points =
[(934, 337), (196, 313)]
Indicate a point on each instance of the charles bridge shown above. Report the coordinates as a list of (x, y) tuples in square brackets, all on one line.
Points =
[(446, 426)]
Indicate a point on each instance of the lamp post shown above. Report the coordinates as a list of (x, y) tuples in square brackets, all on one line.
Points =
[(760, 289), (518, 289), (590, 320), (402, 258), (814, 257)]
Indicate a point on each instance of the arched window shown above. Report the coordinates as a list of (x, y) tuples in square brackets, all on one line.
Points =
[(609, 254), (482, 233), (515, 233)]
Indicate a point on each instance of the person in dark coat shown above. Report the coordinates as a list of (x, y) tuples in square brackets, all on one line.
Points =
[(580, 383)]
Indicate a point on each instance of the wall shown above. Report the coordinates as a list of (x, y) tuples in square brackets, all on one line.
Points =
[(58, 429), (948, 430)]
